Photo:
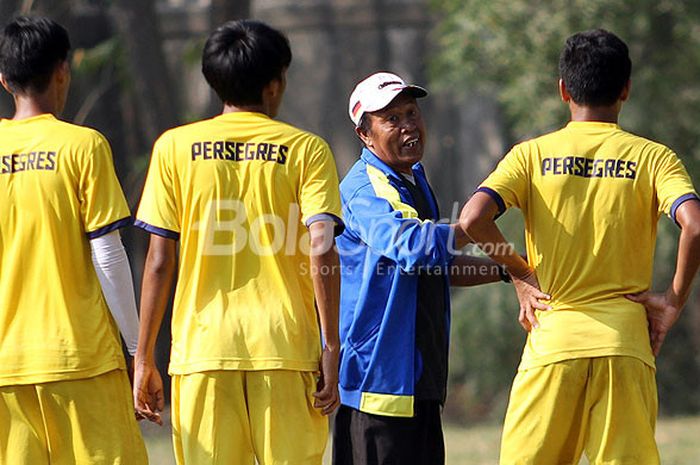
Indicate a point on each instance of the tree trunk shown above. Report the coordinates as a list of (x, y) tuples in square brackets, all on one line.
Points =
[(136, 23), (8, 10), (226, 10)]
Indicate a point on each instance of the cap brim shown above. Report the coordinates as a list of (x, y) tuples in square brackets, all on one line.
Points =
[(415, 91)]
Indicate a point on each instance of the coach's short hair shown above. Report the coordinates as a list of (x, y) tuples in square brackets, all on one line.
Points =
[(595, 66), (241, 57), (30, 50)]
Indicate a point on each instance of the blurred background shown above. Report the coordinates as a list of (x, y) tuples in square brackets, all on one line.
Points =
[(491, 67)]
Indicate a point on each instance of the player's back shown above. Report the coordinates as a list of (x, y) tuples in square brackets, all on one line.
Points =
[(238, 191), (591, 195), (58, 188), (593, 210)]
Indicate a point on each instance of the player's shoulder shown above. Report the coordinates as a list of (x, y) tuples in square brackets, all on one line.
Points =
[(185, 131), (524, 149), (79, 135), (643, 143), (298, 135), (532, 143), (178, 139), (274, 128), (543, 140)]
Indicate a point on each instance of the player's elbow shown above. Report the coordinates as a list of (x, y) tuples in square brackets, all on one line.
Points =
[(471, 221), (162, 256), (688, 217), (322, 238), (693, 230), (478, 215)]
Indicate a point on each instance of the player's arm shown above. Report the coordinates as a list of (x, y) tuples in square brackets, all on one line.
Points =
[(467, 270), (478, 222), (663, 309), (114, 273), (158, 275), (325, 274), (400, 236)]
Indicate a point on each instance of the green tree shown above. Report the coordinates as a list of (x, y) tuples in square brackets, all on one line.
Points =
[(510, 49)]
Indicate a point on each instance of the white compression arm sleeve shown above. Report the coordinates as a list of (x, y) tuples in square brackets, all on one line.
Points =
[(114, 273)]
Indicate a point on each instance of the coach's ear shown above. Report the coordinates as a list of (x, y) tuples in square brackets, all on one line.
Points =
[(363, 131)]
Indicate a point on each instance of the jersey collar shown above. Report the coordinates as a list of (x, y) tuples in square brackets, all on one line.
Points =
[(592, 125), (241, 114), (31, 119)]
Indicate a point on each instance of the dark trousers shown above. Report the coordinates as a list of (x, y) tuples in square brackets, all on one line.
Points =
[(365, 439)]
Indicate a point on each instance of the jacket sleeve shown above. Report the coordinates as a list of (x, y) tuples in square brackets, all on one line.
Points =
[(395, 232)]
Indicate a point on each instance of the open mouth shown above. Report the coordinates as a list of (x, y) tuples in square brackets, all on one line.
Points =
[(411, 143)]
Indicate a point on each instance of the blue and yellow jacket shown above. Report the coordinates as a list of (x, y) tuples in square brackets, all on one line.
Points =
[(382, 249)]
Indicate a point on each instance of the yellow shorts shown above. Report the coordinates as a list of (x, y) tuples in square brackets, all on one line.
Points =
[(605, 406), (78, 422), (234, 417)]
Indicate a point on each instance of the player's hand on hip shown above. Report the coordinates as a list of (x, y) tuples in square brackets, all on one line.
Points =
[(530, 297), (327, 396), (148, 391), (662, 313)]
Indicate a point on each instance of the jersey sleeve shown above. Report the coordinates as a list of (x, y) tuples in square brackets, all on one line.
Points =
[(158, 213), (319, 193), (103, 207), (508, 183), (672, 185)]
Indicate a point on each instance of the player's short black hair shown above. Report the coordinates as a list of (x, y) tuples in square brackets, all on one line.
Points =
[(595, 66), (30, 50), (241, 57)]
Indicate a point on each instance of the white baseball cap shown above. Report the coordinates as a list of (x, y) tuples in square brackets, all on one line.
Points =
[(376, 92)]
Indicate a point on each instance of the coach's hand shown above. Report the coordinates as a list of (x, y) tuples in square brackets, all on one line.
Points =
[(529, 295), (663, 311), (148, 391), (327, 397)]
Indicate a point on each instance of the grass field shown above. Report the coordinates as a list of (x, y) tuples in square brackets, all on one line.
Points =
[(678, 438)]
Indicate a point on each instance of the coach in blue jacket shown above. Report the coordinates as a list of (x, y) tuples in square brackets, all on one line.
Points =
[(397, 264)]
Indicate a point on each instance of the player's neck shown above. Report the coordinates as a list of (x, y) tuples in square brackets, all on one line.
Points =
[(29, 106), (228, 108), (605, 114), (269, 105)]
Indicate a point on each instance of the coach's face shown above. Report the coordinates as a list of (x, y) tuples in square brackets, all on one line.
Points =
[(396, 133)]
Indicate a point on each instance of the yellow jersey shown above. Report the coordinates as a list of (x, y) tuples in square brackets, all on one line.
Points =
[(237, 191), (591, 195), (58, 190)]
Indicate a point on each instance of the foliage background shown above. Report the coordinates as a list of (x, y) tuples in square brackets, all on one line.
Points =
[(491, 67)]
